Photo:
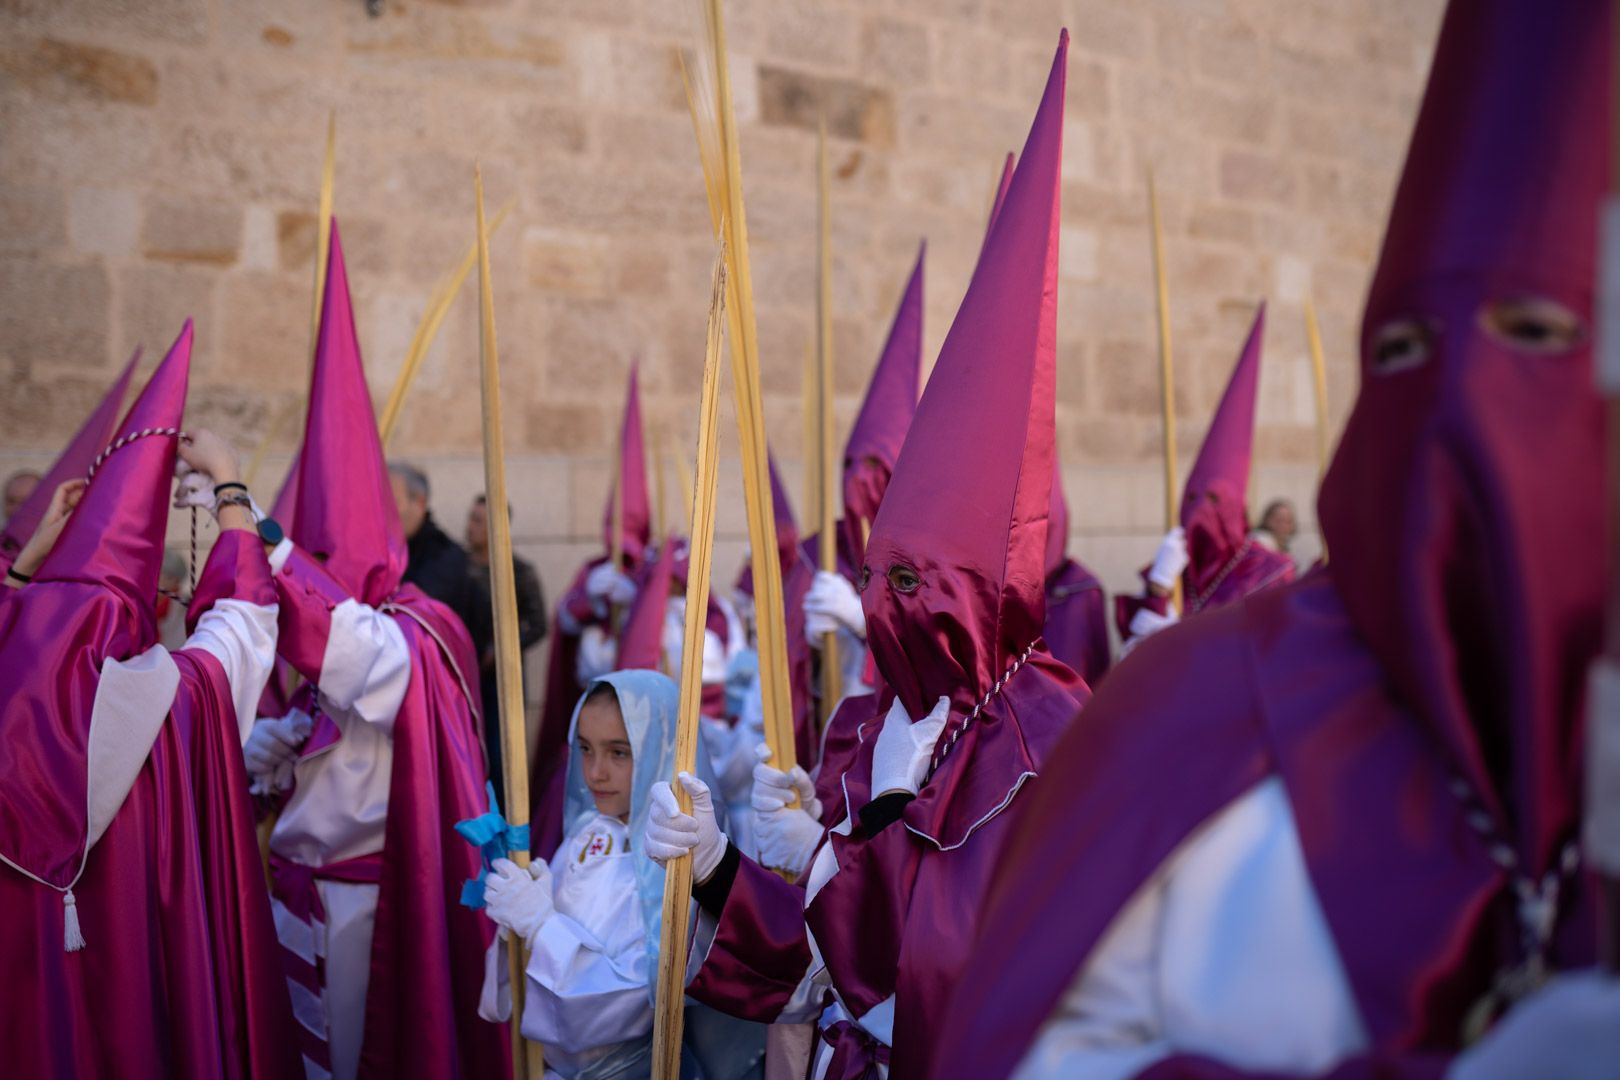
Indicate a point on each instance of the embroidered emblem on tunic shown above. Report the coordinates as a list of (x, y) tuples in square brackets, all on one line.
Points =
[(599, 844)]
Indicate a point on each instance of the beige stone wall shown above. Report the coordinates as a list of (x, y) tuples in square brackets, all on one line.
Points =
[(160, 158)]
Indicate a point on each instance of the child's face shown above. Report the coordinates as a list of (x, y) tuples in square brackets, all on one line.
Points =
[(604, 752)]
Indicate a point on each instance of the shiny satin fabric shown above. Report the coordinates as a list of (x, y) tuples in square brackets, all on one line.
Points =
[(1214, 503), (1465, 508), (641, 642), (1419, 913), (72, 464), (426, 949), (635, 527), (1076, 630), (181, 975), (1447, 638), (966, 510), (880, 427), (343, 501)]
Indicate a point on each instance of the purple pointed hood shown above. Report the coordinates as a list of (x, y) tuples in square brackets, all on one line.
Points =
[(954, 575), (885, 416), (1213, 503), (636, 528), (343, 502), (72, 463), (1465, 506)]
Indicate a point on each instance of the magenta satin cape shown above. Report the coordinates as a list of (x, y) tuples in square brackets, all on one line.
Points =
[(1412, 899), (181, 976), (427, 950)]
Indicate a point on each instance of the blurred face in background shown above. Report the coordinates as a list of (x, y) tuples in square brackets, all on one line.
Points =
[(19, 486), (478, 530)]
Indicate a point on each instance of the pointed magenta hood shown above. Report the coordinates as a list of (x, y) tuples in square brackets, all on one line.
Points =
[(636, 527), (115, 537), (886, 413), (1214, 500), (71, 464), (954, 575), (641, 642), (1465, 507), (343, 502)]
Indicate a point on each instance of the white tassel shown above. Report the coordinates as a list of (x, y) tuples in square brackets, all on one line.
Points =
[(72, 936)]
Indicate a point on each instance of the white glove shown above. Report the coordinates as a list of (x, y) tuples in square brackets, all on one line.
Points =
[(787, 835), (607, 584), (1170, 560), (904, 747), (518, 900), (670, 834), (270, 750), (832, 604), (598, 654), (1568, 1030)]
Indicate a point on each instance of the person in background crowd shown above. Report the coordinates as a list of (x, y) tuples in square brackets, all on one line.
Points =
[(19, 485), (531, 612), (1278, 526), (438, 565)]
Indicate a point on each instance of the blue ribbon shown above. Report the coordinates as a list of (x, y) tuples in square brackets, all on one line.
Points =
[(493, 838)]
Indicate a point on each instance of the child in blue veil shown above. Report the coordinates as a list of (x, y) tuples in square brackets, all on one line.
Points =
[(593, 917)]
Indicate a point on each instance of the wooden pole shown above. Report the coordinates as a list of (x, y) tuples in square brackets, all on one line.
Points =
[(427, 330), (1167, 384), (832, 675), (811, 390), (1313, 334), (527, 1060), (669, 1000), (718, 148)]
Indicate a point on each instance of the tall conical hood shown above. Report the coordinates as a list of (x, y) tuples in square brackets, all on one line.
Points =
[(115, 537), (641, 642), (885, 416), (787, 530), (1213, 503), (635, 528), (72, 463), (1465, 506), (343, 506), (1001, 195), (954, 582)]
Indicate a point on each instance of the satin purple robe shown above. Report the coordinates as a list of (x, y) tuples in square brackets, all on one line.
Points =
[(181, 976)]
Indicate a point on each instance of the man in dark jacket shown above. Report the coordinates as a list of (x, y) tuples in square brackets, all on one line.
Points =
[(438, 565)]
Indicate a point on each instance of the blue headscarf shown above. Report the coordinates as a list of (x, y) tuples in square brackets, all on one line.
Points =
[(650, 702)]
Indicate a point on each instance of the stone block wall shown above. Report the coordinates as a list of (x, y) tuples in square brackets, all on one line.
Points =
[(160, 159)]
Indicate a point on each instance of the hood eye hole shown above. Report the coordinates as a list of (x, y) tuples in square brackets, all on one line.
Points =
[(904, 579), (866, 578), (1402, 344), (1534, 325)]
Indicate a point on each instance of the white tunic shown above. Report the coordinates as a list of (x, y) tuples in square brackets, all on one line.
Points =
[(1224, 953)]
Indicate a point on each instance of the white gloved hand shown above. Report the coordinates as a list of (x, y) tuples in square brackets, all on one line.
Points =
[(831, 604), (1568, 1030), (1170, 560), (787, 835), (270, 750), (598, 654), (518, 900), (670, 834), (607, 584), (904, 747), (1147, 622)]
